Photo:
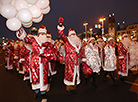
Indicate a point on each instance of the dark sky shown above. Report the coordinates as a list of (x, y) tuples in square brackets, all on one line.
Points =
[(76, 12)]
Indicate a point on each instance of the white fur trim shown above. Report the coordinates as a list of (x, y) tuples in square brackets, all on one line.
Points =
[(26, 78), (22, 59), (134, 39), (21, 72), (110, 38), (48, 35), (16, 57), (92, 38), (124, 35), (60, 28), (84, 60), (50, 70), (22, 35), (121, 57), (40, 30), (71, 32), (123, 74)]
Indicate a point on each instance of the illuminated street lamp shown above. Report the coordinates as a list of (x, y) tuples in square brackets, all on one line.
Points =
[(102, 20), (85, 25), (91, 31)]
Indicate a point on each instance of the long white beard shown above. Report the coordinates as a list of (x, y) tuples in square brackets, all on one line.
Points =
[(126, 42), (75, 40), (42, 38)]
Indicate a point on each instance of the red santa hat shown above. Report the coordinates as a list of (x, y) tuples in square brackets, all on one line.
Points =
[(42, 29), (124, 35), (110, 38), (71, 31), (48, 34), (99, 39)]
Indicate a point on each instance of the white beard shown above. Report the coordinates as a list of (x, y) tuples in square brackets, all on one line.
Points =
[(75, 40), (126, 42), (42, 38)]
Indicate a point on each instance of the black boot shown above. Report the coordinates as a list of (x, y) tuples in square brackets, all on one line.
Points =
[(105, 76), (94, 81), (86, 81), (113, 78), (122, 78), (36, 95)]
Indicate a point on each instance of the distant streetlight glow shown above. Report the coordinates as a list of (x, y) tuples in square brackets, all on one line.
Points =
[(102, 20), (85, 25)]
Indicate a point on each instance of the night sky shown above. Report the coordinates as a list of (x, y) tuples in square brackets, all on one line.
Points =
[(76, 12)]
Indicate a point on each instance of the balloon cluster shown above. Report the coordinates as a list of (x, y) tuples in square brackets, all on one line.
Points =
[(23, 12)]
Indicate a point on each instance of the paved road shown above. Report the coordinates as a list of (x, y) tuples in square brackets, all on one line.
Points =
[(14, 89)]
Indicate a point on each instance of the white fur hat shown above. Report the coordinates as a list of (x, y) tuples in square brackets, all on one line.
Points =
[(92, 38), (42, 29), (110, 38)]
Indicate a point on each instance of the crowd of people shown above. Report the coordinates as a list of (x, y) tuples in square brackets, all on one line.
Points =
[(36, 56)]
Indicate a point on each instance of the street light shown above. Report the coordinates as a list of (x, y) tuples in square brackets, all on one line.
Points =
[(91, 31), (85, 25), (102, 20)]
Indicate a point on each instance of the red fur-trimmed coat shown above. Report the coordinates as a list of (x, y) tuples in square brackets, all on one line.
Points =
[(72, 60), (123, 61)]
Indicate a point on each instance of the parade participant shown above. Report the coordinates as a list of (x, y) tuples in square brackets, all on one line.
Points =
[(134, 54), (123, 56), (8, 48), (101, 44), (21, 66), (74, 56), (110, 60), (16, 54), (49, 48), (38, 71), (93, 59)]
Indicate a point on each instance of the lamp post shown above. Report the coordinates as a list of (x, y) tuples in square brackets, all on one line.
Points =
[(85, 25), (102, 20), (91, 31)]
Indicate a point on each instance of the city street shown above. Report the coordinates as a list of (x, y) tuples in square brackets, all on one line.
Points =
[(14, 89)]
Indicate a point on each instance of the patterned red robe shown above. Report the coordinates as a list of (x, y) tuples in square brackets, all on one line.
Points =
[(25, 59), (73, 57), (123, 57)]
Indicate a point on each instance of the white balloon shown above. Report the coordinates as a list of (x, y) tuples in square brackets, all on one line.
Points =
[(46, 11), (36, 12), (27, 25), (5, 1), (20, 4), (8, 11), (38, 19), (13, 24), (13, 2), (0, 8), (25, 15), (42, 3), (31, 1)]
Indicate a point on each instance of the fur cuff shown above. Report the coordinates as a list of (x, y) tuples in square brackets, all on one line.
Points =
[(60, 28)]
